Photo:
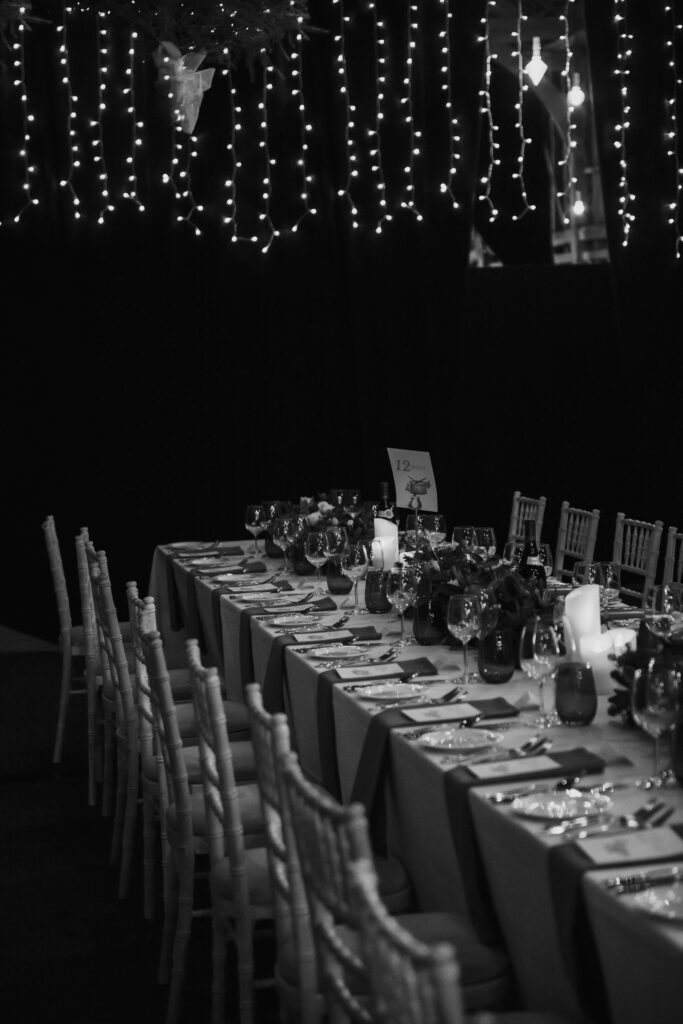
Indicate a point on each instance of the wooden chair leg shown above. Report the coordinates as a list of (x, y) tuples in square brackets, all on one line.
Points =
[(149, 860), (130, 818), (181, 940), (120, 807), (171, 883), (218, 969), (245, 971), (91, 696), (108, 767), (64, 693)]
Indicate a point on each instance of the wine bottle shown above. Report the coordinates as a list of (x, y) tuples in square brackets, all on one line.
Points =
[(385, 509), (530, 566)]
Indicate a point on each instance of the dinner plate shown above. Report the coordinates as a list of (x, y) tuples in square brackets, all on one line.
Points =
[(559, 807), (666, 903), (460, 741), (339, 652), (391, 691), (205, 560), (266, 599), (294, 620), (191, 545)]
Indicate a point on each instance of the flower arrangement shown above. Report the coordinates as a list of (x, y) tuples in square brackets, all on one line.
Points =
[(328, 509), (648, 646)]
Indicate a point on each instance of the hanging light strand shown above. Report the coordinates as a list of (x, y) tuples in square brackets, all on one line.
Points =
[(414, 136), (269, 163), (623, 71), (28, 119), (566, 162), (296, 71), (73, 145), (446, 187), (380, 56), (186, 146), (230, 183), (487, 112), (522, 87), (675, 213), (97, 123), (136, 126), (344, 191)]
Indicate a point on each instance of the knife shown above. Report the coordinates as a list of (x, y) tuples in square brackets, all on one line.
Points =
[(644, 879)]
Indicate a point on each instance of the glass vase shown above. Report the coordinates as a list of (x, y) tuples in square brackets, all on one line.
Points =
[(496, 656), (376, 599), (337, 583), (576, 699)]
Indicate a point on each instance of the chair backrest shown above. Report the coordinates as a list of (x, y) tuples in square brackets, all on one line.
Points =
[(576, 536), (54, 555), (224, 831), (143, 619), (271, 742), (410, 982), (636, 550), (329, 837), (174, 784), (673, 557), (525, 508), (91, 639)]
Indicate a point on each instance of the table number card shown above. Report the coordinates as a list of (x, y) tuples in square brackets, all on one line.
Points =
[(517, 766), (449, 713), (644, 844), (369, 672), (413, 478)]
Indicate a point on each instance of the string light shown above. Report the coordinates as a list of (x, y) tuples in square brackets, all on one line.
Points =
[(264, 216), (296, 72), (623, 71), (19, 82), (487, 112), (74, 149), (182, 153), (566, 160), (576, 95), (344, 191), (380, 57), (136, 126), (537, 67), (519, 108), (671, 135), (414, 136), (97, 123), (446, 88), (230, 183)]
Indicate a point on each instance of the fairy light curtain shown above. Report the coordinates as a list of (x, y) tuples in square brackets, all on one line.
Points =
[(360, 112)]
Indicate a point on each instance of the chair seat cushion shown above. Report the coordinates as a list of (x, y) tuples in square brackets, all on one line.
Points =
[(394, 884), (484, 970), (192, 763), (235, 712), (243, 762), (256, 861), (250, 810)]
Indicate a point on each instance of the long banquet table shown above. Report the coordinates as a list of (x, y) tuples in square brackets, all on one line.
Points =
[(576, 947)]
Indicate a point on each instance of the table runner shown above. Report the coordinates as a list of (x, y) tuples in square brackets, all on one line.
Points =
[(567, 863)]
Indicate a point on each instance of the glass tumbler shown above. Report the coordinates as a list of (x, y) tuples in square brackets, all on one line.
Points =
[(576, 700)]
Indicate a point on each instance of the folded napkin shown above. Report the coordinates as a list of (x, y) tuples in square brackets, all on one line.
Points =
[(457, 784), (271, 684), (566, 865), (253, 566)]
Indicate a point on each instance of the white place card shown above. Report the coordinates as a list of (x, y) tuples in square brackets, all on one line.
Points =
[(413, 477), (324, 637), (516, 766), (643, 844), (448, 713), (368, 672)]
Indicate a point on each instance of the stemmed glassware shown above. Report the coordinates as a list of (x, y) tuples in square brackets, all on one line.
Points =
[(434, 526), (255, 522), (545, 554), (463, 621), (401, 591), (486, 540), (539, 653), (279, 533), (314, 547), (512, 552), (611, 573), (587, 572), (655, 697), (665, 615), (465, 537), (354, 563)]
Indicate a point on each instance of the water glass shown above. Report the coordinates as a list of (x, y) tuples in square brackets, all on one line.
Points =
[(655, 699)]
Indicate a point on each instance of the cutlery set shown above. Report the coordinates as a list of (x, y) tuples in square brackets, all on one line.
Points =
[(652, 814), (644, 879), (532, 748)]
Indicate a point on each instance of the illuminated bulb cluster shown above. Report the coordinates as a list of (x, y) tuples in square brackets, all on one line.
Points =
[(380, 52), (414, 136), (136, 126), (19, 83), (96, 123), (268, 161), (566, 196), (623, 71), (344, 191), (487, 112), (446, 89), (297, 92), (230, 183), (518, 175), (74, 149), (182, 153), (675, 214)]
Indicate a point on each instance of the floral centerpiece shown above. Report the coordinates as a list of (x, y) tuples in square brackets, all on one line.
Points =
[(648, 646)]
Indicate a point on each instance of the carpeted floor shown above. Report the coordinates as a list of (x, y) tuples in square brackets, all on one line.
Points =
[(69, 949)]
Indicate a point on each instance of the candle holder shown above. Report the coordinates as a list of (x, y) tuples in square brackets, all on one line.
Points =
[(376, 600)]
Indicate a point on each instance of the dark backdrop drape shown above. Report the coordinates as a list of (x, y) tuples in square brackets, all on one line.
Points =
[(156, 382)]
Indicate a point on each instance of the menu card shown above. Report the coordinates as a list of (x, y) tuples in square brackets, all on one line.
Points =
[(644, 844)]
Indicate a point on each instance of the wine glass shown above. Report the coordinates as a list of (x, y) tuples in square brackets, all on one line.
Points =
[(465, 537), (655, 698), (587, 572), (297, 527), (539, 653), (665, 614), (314, 549), (512, 553), (355, 560), (486, 539), (611, 572), (398, 594), (278, 531), (546, 556), (434, 526), (335, 540), (255, 522), (462, 619)]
